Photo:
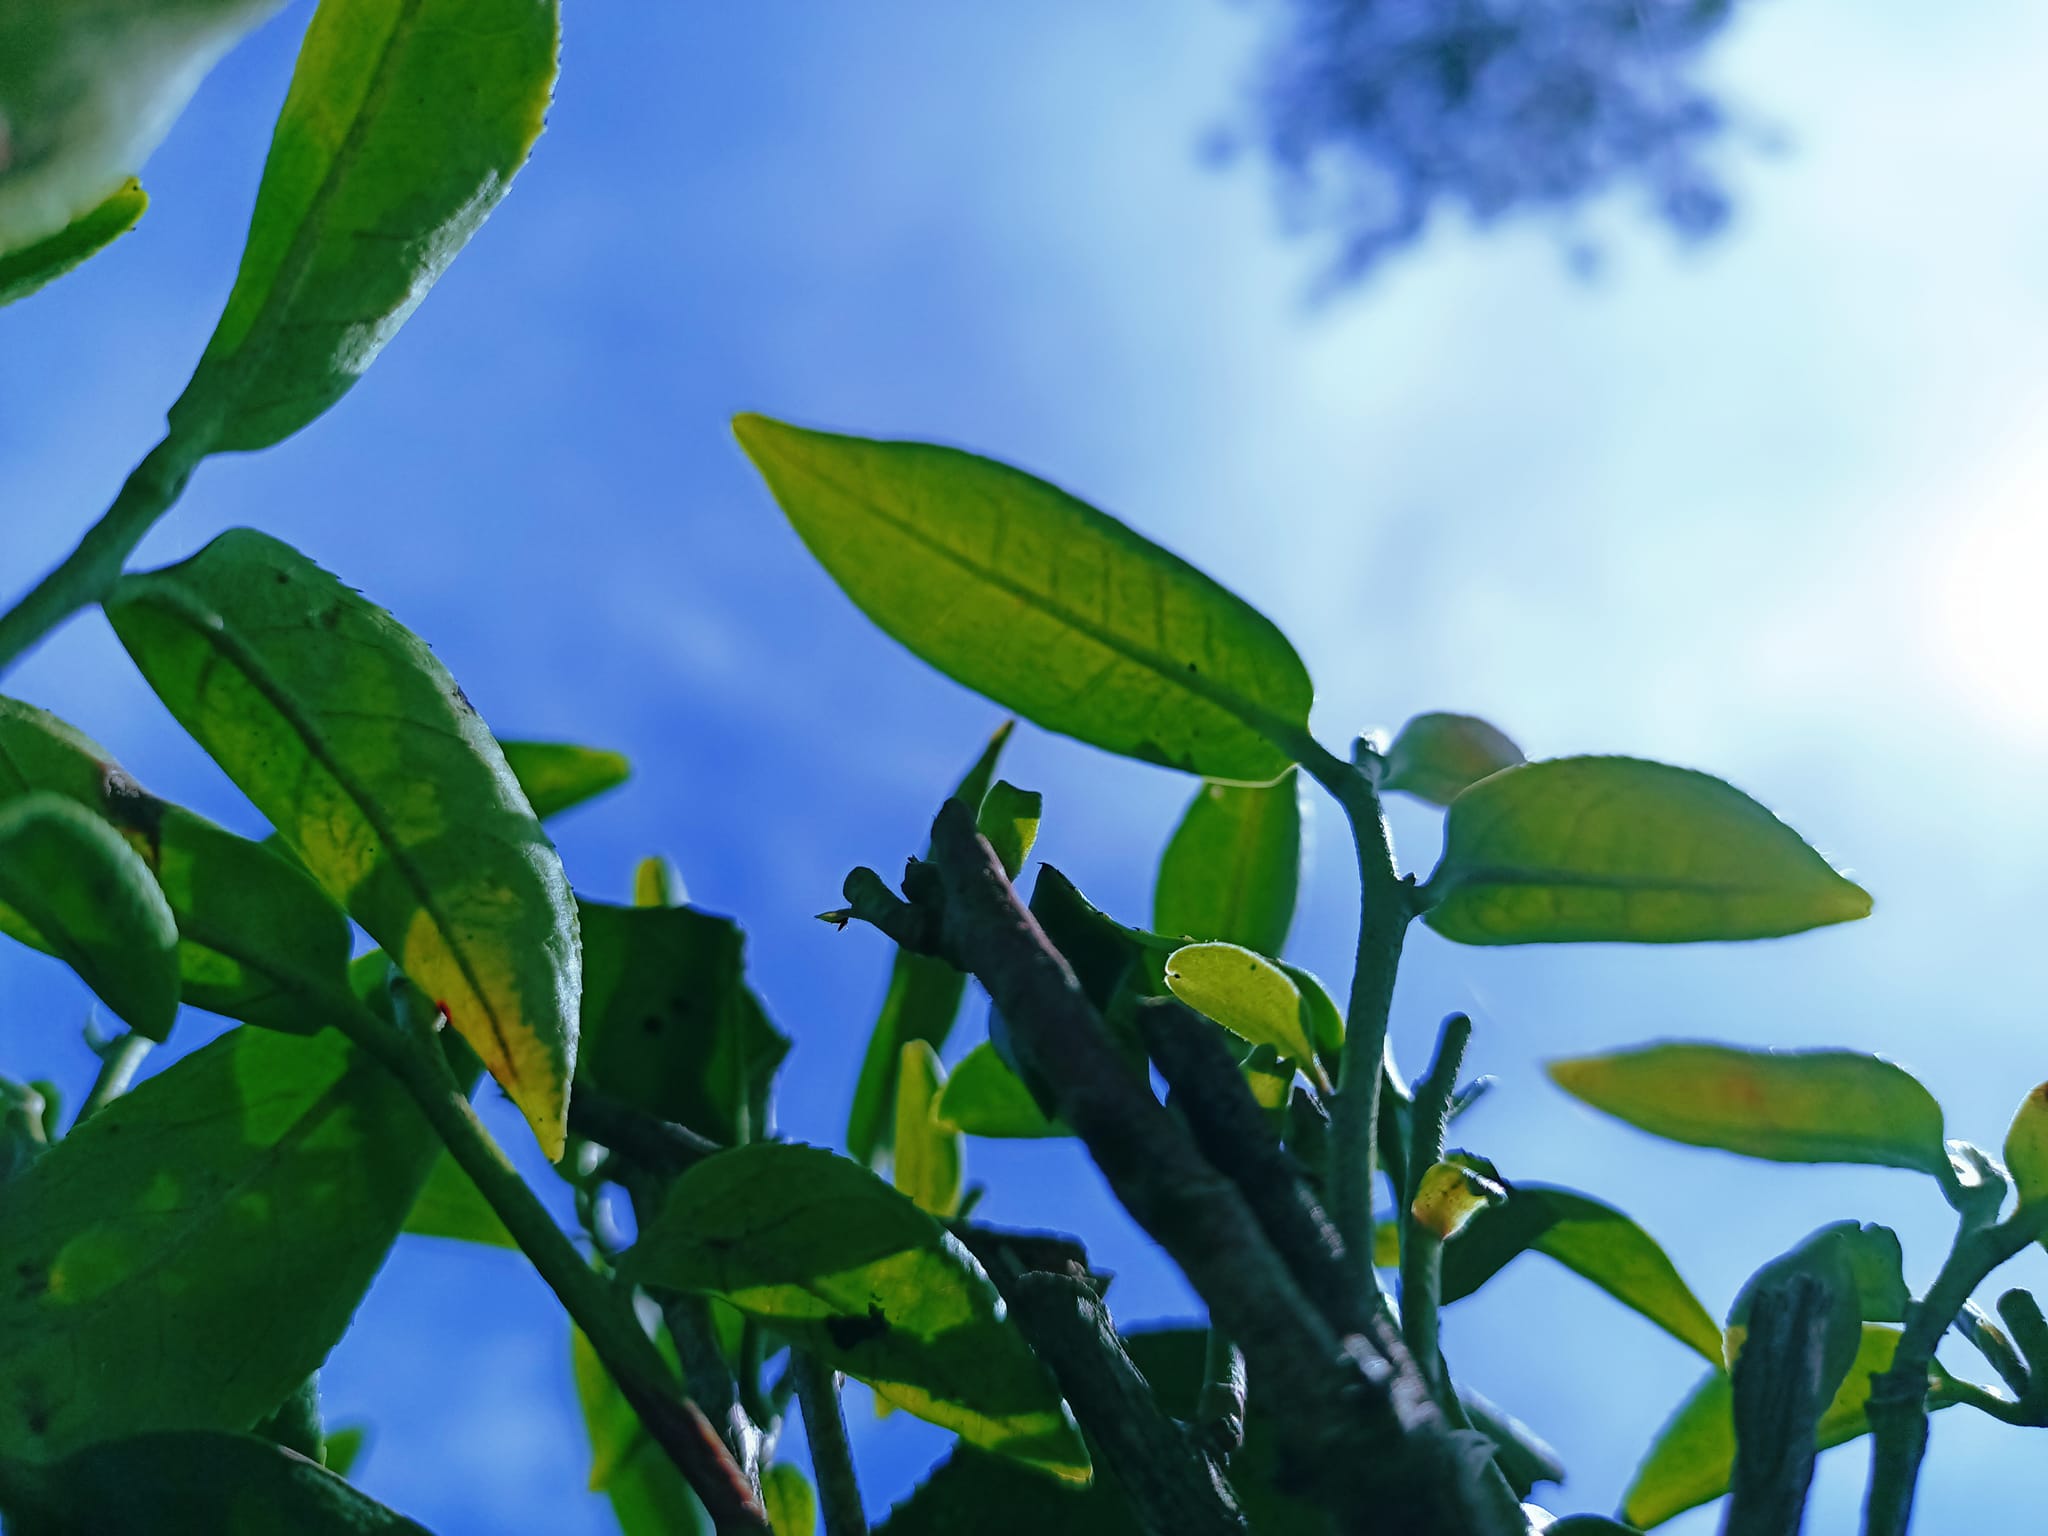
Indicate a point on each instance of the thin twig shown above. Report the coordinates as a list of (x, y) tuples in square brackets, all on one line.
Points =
[(817, 1389), (119, 1058)]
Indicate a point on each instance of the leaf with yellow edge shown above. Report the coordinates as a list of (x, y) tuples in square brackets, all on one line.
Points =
[(1246, 993), (353, 740), (28, 268)]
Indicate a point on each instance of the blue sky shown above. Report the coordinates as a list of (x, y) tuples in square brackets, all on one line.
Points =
[(1767, 508)]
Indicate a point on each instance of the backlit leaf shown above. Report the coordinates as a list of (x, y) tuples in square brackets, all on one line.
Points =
[(648, 1495), (1021, 592), (1246, 993), (556, 776), (404, 126), (1788, 1106), (1613, 848), (792, 1505), (450, 1205), (926, 1164), (983, 1097), (1009, 821), (1233, 868), (356, 744), (2026, 1148), (842, 1265), (1436, 757), (28, 268)]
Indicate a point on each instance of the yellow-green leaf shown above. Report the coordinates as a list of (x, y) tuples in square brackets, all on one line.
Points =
[(1787, 1106), (556, 775), (658, 883), (1450, 1194), (1436, 757), (648, 1495), (1246, 993), (791, 1503), (70, 885), (1033, 598), (1233, 867), (28, 268), (1613, 848), (449, 1205), (983, 1097), (353, 740), (2026, 1148), (1009, 821), (926, 1164), (405, 123)]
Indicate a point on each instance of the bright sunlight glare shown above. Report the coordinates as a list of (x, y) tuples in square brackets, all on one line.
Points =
[(1990, 608)]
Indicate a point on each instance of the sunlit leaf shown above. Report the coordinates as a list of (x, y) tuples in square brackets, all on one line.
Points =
[(1613, 848), (1788, 1106), (792, 1505), (926, 1163), (1246, 993), (922, 1002), (1449, 1194), (185, 1482), (842, 1265), (556, 776), (983, 1097), (71, 886), (1693, 1456), (449, 1205), (658, 883), (669, 1023), (648, 1495), (356, 744), (212, 1230), (1233, 867), (2026, 1148), (1436, 757), (404, 126), (24, 270), (1038, 601), (1009, 820)]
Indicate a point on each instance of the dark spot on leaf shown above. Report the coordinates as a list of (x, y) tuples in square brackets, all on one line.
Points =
[(651, 1024), (462, 701), (1193, 668), (328, 618), (848, 1332), (131, 807), (282, 578)]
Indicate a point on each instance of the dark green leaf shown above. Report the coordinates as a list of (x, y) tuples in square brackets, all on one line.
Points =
[(295, 1422), (1009, 820), (1038, 601), (1594, 1241), (1863, 1270), (71, 886), (1612, 848), (24, 270), (927, 1155), (191, 1483), (669, 1025), (1788, 1106), (1246, 993), (842, 1265), (983, 1097), (405, 124), (791, 1503), (1436, 757), (357, 745), (1233, 867), (212, 1230), (1694, 1454), (922, 1002), (449, 1205), (648, 1495), (1525, 1458), (1321, 1019), (345, 1446), (556, 776)]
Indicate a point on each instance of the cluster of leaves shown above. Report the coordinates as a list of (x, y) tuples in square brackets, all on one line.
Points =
[(1383, 115)]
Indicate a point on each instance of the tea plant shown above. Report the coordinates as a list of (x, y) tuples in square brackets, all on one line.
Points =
[(181, 1258)]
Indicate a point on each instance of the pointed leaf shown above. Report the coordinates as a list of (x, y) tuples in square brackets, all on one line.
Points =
[(648, 1495), (1019, 591), (1009, 820), (1246, 993), (792, 1505), (24, 270), (658, 883), (355, 743), (1787, 1106), (211, 1230), (449, 1205), (983, 1097), (922, 1002), (1233, 868), (842, 1265), (1436, 757), (556, 776), (1693, 1456), (405, 124), (669, 1025), (1593, 1240), (927, 1155), (191, 1481), (1616, 849)]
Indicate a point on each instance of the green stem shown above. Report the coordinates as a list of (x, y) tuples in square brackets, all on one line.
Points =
[(118, 1061), (1219, 1411), (817, 1390), (615, 1334), (1383, 914), (90, 571), (1422, 1249)]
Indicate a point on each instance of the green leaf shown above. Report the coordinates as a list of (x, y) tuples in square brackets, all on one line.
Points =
[(658, 883), (1321, 1019), (1436, 757), (922, 1002), (405, 124), (927, 1155), (356, 744), (842, 1265), (183, 1483), (1787, 1106), (556, 776), (669, 1024), (28, 268), (258, 940), (1613, 848), (1009, 820), (1593, 1240), (1525, 1458), (1017, 590), (1246, 993), (449, 1205), (1233, 867), (1863, 1269), (983, 1097), (212, 1231), (2026, 1148), (71, 886), (345, 1446), (792, 1505), (648, 1495), (1693, 1456)]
